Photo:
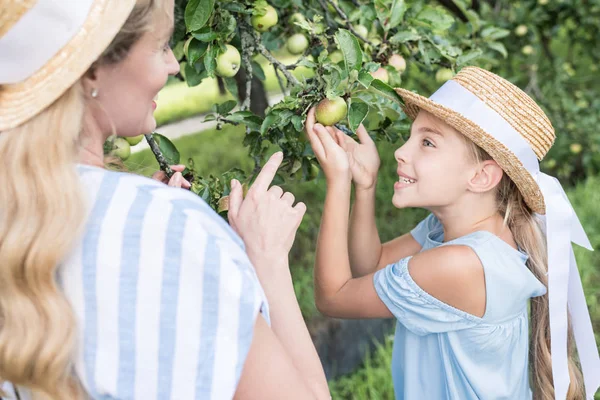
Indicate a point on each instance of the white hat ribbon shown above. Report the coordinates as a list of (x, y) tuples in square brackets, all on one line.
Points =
[(31, 35)]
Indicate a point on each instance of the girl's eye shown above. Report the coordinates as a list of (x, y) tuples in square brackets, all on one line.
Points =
[(427, 143)]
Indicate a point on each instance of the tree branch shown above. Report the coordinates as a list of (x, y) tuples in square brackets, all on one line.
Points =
[(162, 161), (348, 24), (276, 63), (247, 51)]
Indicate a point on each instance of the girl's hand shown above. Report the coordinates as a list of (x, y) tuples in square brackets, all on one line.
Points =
[(265, 219), (332, 157), (177, 180), (362, 156)]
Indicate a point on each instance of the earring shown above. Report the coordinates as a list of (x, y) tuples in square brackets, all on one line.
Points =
[(94, 92)]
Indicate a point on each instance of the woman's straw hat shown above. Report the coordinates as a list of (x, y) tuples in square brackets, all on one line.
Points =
[(46, 46), (514, 106)]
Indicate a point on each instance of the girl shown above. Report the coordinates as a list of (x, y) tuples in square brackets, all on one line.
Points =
[(459, 283)]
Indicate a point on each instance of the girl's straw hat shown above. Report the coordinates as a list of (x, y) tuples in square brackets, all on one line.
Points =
[(46, 46), (513, 105)]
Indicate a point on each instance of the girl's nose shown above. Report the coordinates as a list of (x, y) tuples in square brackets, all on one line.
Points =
[(401, 153)]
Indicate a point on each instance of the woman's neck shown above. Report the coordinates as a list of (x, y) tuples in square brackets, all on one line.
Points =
[(91, 145)]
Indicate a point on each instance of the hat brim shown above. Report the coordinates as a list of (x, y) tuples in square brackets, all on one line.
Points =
[(513, 167), (22, 101)]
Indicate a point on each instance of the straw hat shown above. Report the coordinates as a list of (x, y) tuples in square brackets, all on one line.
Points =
[(46, 46), (514, 106)]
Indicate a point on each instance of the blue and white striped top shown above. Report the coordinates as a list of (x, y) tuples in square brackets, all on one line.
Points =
[(163, 291)]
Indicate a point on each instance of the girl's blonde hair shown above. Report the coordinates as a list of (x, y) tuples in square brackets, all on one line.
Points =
[(528, 234), (42, 214)]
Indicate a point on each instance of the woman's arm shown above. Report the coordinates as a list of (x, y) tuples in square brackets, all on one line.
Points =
[(267, 222)]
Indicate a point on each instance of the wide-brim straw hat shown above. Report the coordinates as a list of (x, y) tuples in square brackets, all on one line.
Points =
[(64, 65), (514, 106)]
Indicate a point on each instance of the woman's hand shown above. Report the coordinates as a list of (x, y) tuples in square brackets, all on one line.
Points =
[(363, 158), (332, 157), (177, 180), (266, 218)]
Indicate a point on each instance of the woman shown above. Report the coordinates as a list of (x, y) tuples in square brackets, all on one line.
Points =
[(114, 285)]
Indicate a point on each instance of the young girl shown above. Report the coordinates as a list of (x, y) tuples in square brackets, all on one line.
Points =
[(460, 282)]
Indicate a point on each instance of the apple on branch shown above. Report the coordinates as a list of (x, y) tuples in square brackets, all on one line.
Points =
[(331, 111), (121, 148), (297, 43), (263, 23), (228, 63)]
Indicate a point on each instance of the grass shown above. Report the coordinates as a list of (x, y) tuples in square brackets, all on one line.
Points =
[(178, 101)]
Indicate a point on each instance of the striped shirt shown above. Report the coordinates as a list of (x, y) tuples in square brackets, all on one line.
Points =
[(163, 291)]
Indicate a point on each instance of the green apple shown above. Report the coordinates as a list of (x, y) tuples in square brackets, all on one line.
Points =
[(297, 17), (521, 30), (381, 74), (575, 148), (527, 50), (398, 62), (443, 75), (228, 63), (542, 2), (297, 43), (331, 111), (263, 23), (133, 140), (121, 149), (361, 30), (336, 56)]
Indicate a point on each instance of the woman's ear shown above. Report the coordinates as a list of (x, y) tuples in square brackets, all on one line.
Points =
[(89, 80), (487, 176)]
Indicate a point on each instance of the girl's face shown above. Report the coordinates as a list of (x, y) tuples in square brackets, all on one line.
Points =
[(434, 165), (127, 90)]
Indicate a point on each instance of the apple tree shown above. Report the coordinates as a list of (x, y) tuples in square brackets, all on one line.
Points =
[(357, 51)]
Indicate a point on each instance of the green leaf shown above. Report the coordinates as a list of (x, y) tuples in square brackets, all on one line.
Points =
[(435, 18), (499, 47), (247, 118), (390, 15), (205, 34), (270, 119), (231, 86), (357, 113), (167, 148), (348, 44), (386, 90), (192, 76), (210, 62), (494, 33), (468, 57), (405, 36), (224, 108), (197, 13), (297, 122), (258, 71), (196, 50), (365, 78)]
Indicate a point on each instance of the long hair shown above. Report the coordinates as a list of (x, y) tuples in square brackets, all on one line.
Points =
[(528, 234), (42, 213)]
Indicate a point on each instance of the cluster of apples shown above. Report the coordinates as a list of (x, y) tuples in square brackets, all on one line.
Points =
[(122, 146)]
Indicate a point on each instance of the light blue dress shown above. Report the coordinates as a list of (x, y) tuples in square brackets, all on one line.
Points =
[(441, 352)]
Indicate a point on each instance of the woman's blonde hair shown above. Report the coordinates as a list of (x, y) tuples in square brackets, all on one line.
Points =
[(528, 234), (42, 214)]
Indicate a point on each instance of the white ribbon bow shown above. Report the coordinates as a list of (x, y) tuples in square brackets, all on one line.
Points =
[(562, 227)]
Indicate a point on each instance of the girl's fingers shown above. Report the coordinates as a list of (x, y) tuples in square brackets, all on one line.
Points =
[(363, 135), (341, 139), (325, 138), (315, 143), (160, 176), (178, 167), (176, 180)]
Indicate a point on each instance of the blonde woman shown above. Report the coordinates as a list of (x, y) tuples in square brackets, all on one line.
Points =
[(113, 285), (480, 288)]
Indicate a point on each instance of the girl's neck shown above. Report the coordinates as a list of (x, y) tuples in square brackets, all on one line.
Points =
[(459, 221)]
